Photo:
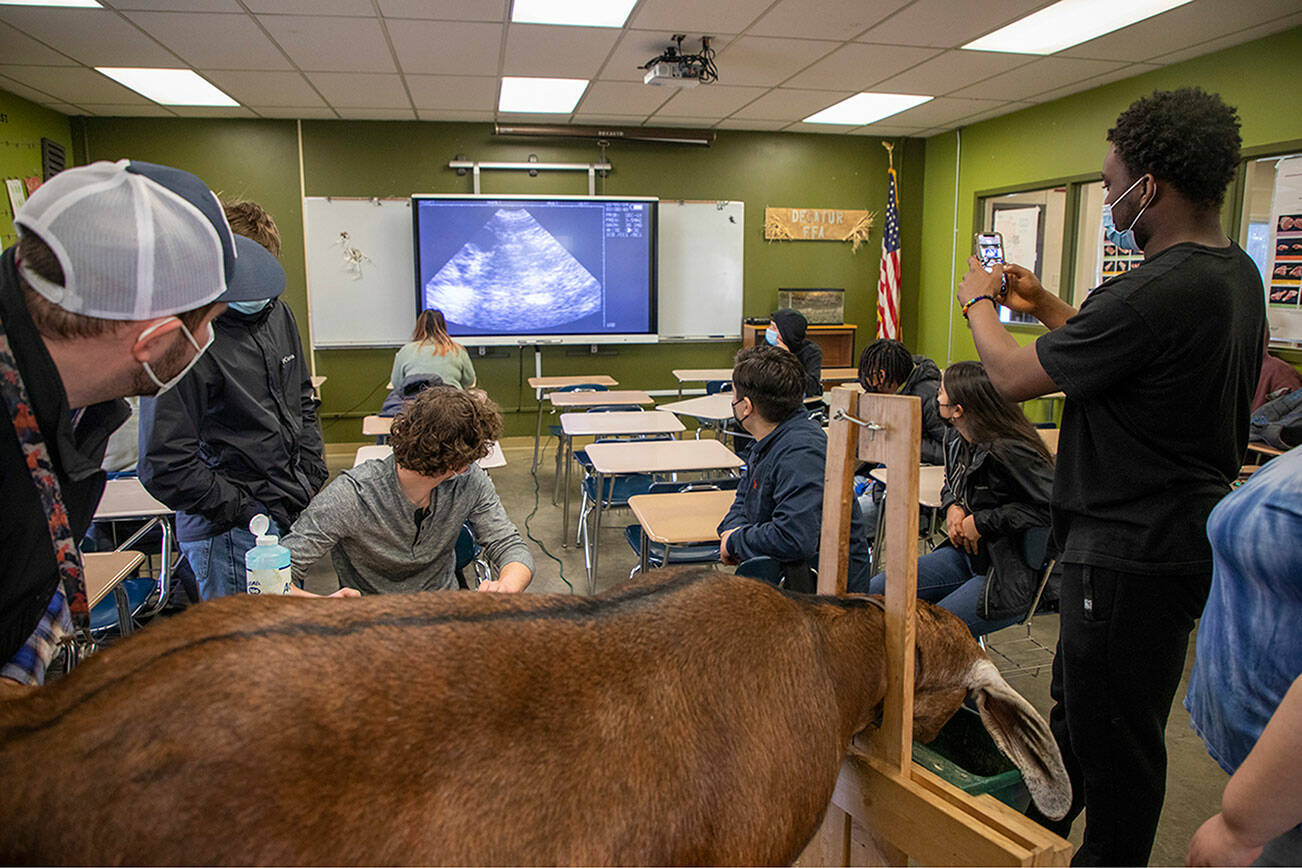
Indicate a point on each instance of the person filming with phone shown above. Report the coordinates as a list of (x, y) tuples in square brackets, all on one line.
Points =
[(1159, 366)]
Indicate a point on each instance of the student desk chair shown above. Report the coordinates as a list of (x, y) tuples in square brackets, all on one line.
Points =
[(125, 499), (699, 375), (931, 478), (679, 519), (542, 385), (712, 410), (494, 458)]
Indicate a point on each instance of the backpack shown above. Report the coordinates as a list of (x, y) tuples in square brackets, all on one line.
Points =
[(1278, 422), (410, 387)]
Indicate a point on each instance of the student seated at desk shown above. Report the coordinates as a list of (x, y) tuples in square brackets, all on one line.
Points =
[(391, 525), (778, 511), (432, 352), (787, 329), (998, 478)]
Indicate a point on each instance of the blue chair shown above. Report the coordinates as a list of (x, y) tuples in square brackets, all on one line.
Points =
[(469, 552), (714, 387), (703, 553), (762, 568)]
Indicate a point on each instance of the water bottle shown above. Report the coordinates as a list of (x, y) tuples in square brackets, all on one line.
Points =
[(266, 565)]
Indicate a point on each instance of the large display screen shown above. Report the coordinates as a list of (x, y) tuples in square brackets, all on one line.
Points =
[(515, 269)]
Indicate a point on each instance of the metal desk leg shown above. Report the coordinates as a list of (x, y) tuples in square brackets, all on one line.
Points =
[(537, 437), (875, 563), (596, 529), (124, 610), (565, 521), (646, 560)]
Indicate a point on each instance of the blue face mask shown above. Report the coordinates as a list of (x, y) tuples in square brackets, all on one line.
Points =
[(249, 307), (771, 336), (1113, 235)]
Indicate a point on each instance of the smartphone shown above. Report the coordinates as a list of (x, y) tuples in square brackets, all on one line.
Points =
[(990, 251)]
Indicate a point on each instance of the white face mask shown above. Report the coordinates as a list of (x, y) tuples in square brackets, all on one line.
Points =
[(199, 351)]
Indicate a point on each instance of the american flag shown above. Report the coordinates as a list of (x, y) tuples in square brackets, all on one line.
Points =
[(888, 283)]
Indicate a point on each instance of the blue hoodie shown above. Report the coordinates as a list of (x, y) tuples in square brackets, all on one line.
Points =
[(778, 511)]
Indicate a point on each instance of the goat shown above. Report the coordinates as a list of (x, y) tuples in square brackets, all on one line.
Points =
[(694, 718)]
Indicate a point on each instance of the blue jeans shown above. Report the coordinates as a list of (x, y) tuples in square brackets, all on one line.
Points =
[(218, 562), (946, 578)]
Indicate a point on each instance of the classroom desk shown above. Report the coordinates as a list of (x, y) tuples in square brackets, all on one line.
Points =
[(839, 375), (680, 518), (699, 375), (126, 499), (1265, 449), (541, 385), (316, 387), (377, 426), (715, 409), (1050, 437), (494, 458), (931, 478), (618, 423), (657, 456), (104, 572)]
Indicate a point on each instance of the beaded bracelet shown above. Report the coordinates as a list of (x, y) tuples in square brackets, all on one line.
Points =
[(972, 301)]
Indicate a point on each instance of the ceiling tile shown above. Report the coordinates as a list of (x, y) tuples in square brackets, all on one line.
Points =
[(361, 89), (1038, 76), (817, 129), (148, 110), (636, 47), (446, 10), (74, 84), (95, 37), (446, 47), (377, 114), (942, 110), (63, 107), (176, 5), (1179, 28), (296, 112), (696, 18), (532, 118), (453, 92), (747, 124), (836, 19), (1238, 38), (331, 44), (709, 101), (265, 88), (857, 66), (213, 41), (32, 94), (672, 121), (790, 105), (361, 8), (946, 24), (455, 116), (608, 119), (617, 97), (884, 130), (764, 60), (557, 52), (1097, 81), (208, 111), (951, 70), (16, 47), (997, 112)]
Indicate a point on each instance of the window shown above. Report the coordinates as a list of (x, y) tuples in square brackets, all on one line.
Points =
[(1097, 258), (1270, 231), (1033, 224)]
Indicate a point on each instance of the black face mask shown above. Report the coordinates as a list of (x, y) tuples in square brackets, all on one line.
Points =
[(735, 417)]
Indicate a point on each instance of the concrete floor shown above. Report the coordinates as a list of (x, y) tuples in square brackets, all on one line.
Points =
[(1194, 781)]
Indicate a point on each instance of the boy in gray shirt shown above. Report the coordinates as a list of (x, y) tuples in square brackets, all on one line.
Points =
[(391, 525)]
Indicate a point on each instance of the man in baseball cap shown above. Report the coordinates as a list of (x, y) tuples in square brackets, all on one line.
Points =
[(110, 291)]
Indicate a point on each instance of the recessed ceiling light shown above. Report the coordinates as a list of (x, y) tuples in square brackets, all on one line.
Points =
[(79, 4), (865, 108), (168, 86), (540, 95), (581, 13), (1067, 23)]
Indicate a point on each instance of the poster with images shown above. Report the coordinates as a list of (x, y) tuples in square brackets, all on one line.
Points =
[(1285, 268)]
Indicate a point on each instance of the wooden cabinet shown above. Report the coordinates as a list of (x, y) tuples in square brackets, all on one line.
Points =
[(837, 342)]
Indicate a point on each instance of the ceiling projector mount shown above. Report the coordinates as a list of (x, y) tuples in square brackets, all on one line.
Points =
[(676, 69)]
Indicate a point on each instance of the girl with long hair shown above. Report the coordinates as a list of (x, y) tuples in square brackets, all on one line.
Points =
[(998, 478), (432, 353)]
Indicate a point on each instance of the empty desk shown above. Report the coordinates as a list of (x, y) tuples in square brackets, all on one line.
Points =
[(127, 500), (542, 385), (680, 518), (494, 458), (104, 572), (700, 375), (715, 410), (931, 478)]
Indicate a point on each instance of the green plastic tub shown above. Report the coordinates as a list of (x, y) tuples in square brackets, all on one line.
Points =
[(965, 756)]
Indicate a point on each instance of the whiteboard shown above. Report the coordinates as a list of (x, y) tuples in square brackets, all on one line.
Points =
[(700, 263), (373, 304)]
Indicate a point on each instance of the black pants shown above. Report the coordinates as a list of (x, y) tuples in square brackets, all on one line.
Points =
[(1121, 652)]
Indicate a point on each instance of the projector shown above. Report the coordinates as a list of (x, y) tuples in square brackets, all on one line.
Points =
[(671, 74)]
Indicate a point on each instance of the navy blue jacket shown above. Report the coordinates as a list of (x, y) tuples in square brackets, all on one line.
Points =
[(778, 510)]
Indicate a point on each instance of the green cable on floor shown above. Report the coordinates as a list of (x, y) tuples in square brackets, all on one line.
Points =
[(528, 533)]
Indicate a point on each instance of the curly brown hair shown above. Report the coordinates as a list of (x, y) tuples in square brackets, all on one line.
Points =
[(444, 428), (252, 221)]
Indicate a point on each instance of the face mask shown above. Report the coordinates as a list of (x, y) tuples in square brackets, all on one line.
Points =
[(249, 307), (163, 387), (771, 336), (1128, 232), (1114, 236), (738, 419)]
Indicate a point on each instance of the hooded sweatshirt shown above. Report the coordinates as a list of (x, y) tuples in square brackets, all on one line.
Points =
[(792, 326), (924, 382)]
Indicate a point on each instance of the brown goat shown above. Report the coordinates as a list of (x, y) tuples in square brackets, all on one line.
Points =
[(696, 718)]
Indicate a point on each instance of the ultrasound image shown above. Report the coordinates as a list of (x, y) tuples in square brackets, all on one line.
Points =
[(513, 276)]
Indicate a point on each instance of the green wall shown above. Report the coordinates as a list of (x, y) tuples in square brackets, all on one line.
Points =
[(259, 160), (22, 126), (1066, 139)]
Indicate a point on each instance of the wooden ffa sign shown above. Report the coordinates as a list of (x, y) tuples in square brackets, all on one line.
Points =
[(817, 224)]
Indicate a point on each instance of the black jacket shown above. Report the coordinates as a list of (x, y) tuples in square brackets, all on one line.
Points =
[(924, 382), (1006, 489), (28, 573), (779, 505), (239, 434), (811, 357)]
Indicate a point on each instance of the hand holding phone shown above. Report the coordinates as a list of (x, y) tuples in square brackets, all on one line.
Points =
[(990, 251)]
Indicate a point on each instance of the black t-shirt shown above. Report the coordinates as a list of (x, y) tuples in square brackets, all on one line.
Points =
[(1159, 367)]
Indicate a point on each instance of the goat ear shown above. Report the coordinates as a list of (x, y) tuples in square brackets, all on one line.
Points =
[(1023, 736)]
